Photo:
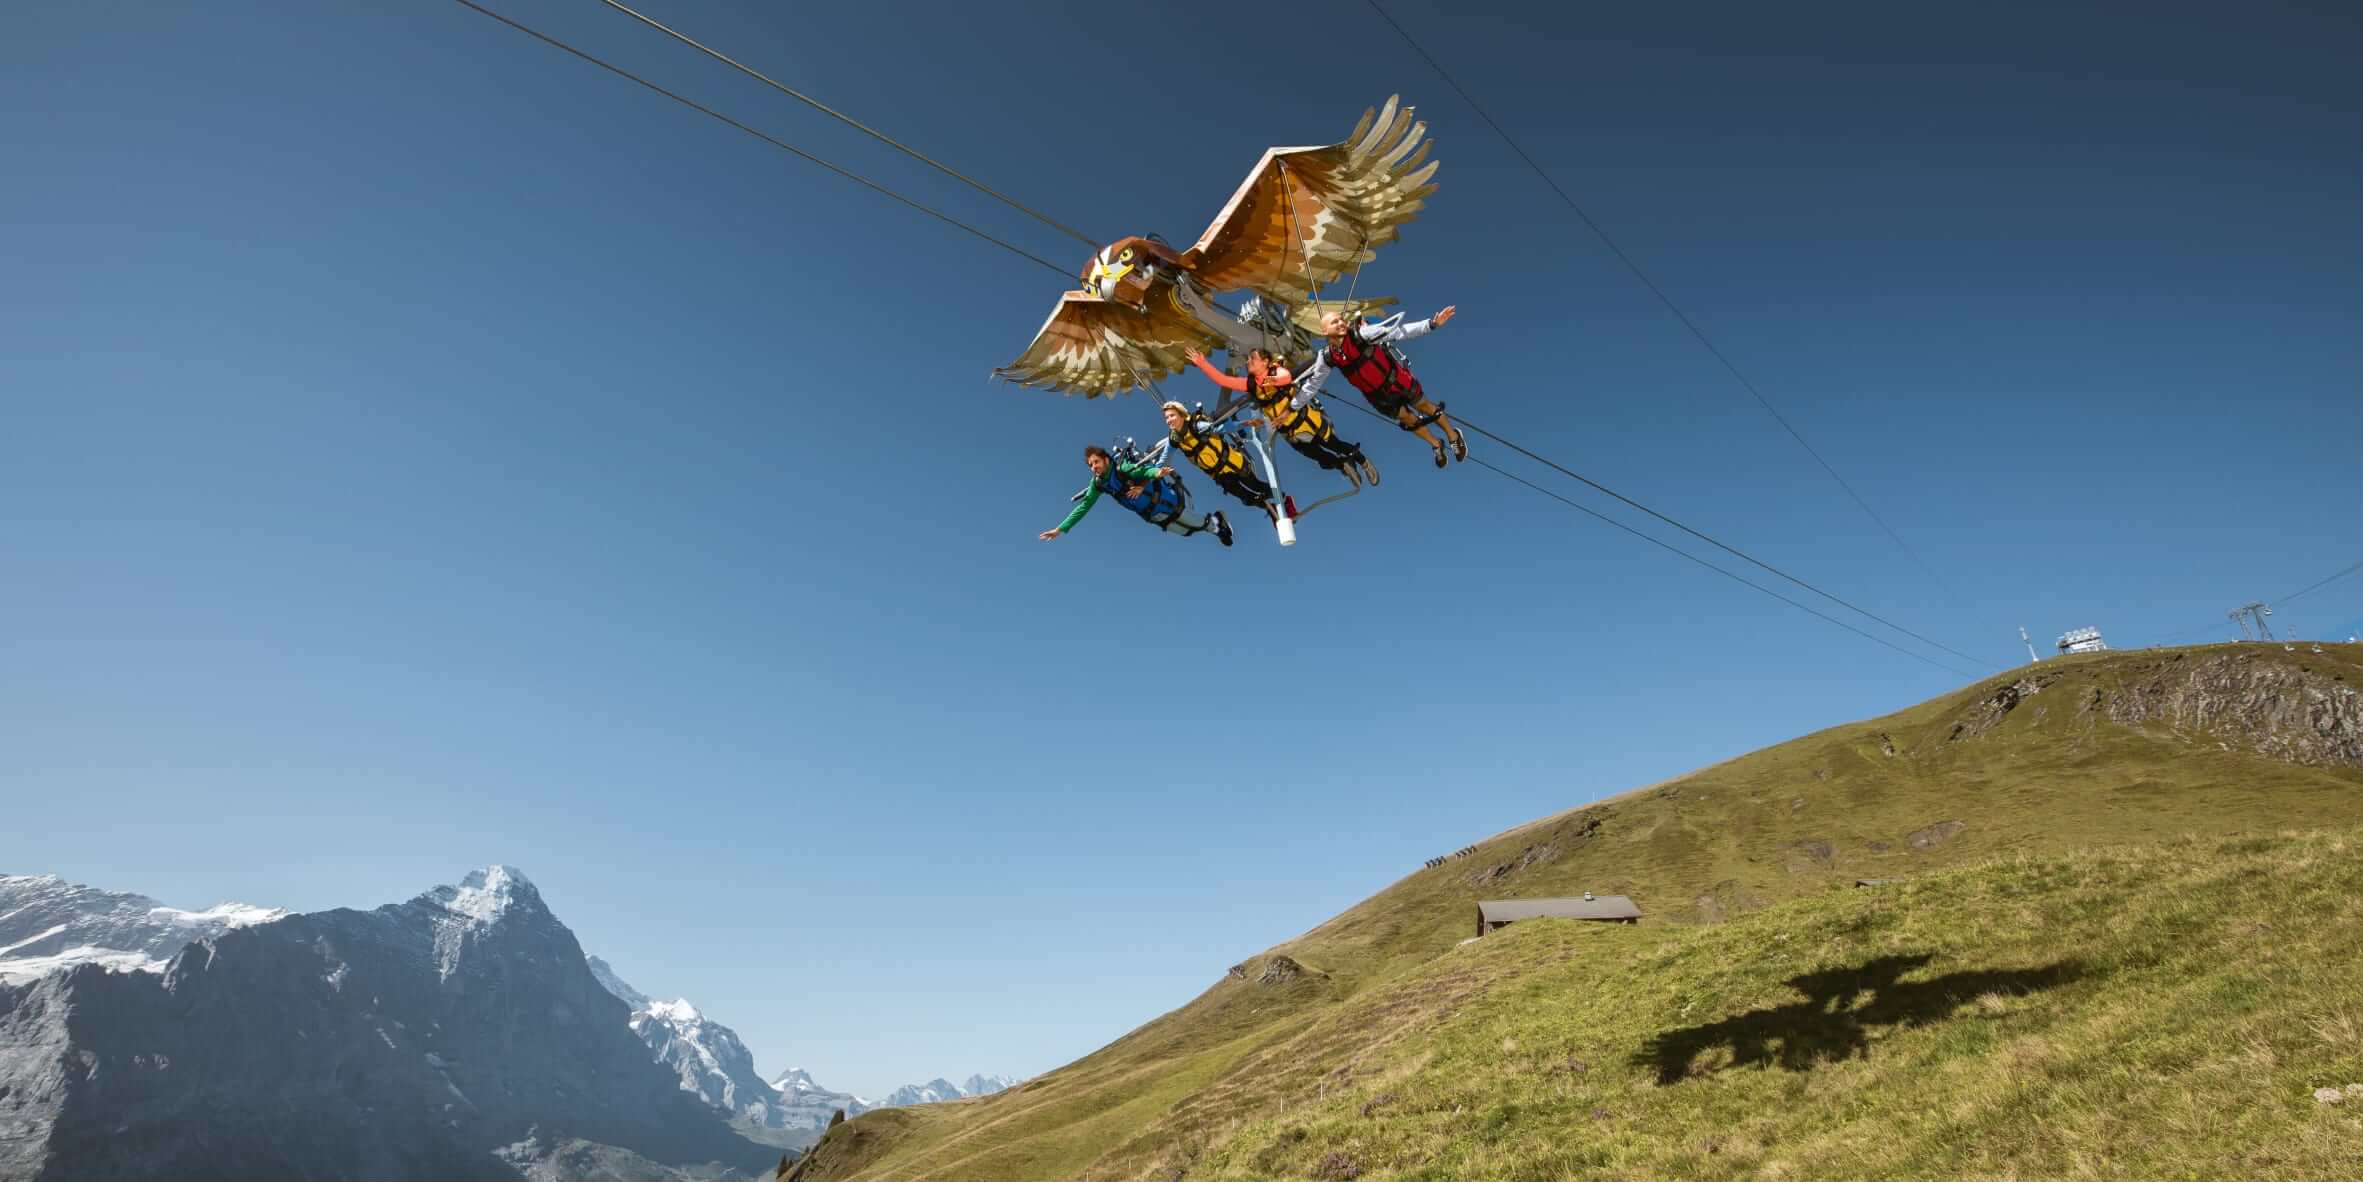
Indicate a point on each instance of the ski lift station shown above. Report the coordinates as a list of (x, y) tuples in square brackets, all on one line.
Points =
[(2082, 640), (1493, 914)]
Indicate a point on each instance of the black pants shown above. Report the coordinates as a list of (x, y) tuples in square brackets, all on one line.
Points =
[(1327, 450), (1247, 487)]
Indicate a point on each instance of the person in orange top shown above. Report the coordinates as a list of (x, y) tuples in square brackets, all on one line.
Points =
[(1298, 418)]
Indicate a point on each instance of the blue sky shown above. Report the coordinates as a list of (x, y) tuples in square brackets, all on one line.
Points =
[(423, 450)]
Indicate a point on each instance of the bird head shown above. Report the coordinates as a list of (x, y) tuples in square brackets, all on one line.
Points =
[(1109, 267)]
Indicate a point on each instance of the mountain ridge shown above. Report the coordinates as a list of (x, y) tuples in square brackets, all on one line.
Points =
[(2071, 754), (48, 923), (457, 1034)]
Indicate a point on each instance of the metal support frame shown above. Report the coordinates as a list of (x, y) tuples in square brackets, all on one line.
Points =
[(1260, 324), (2252, 614)]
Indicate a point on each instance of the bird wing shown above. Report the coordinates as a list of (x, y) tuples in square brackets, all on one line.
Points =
[(1308, 317), (1305, 216), (1096, 347)]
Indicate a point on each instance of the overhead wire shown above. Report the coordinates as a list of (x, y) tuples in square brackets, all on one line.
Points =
[(850, 121), (766, 137), (1712, 541), (2313, 587), (1662, 544), (1056, 269), (1683, 317), (2300, 593)]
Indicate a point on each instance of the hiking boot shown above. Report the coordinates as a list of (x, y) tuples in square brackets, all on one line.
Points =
[(1460, 446), (1369, 471), (1440, 459), (1222, 527)]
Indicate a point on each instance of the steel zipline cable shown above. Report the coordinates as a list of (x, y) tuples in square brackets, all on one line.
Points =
[(766, 137), (2300, 593), (1712, 349), (1064, 273), (852, 122), (1662, 544), (2320, 584)]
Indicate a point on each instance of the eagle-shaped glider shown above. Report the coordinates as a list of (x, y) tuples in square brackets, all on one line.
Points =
[(1303, 218)]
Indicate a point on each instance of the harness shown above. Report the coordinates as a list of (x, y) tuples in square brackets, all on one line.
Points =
[(1308, 423), (1162, 498), (1377, 370), (1214, 455)]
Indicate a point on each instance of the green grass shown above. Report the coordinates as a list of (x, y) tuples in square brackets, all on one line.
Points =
[(2126, 829), (2156, 1011)]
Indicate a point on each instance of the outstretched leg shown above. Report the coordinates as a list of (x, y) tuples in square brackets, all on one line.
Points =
[(1332, 454), (1185, 524), (1429, 409), (1249, 489), (1408, 418)]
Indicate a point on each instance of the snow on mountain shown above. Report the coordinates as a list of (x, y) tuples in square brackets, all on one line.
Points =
[(805, 1104), (47, 923), (714, 1065), (798, 1081), (936, 1091), (460, 1035)]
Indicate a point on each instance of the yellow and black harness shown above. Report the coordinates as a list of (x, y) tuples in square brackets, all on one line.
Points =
[(1215, 455), (1306, 424)]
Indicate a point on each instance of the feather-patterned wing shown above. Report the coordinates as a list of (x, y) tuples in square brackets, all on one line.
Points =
[(1306, 216), (1308, 317), (1096, 347)]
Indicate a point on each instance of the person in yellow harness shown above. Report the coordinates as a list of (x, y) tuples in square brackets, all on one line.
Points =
[(1218, 457), (1294, 414)]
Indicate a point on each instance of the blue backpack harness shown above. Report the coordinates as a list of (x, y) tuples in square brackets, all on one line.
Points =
[(1161, 499)]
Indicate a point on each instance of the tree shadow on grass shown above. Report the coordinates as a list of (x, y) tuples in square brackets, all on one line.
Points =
[(1829, 1026)]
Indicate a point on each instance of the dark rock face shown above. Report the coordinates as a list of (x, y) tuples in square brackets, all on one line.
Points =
[(459, 1036), (1268, 970), (2293, 714), (1989, 714)]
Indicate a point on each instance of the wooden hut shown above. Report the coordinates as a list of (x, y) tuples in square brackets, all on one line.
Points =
[(1499, 913)]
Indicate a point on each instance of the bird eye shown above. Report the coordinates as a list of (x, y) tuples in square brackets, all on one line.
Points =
[(1127, 255)]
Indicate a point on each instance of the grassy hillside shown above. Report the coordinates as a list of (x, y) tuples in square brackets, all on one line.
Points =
[(2090, 926)]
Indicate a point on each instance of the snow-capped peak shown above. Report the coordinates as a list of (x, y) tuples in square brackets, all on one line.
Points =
[(486, 895), (227, 915), (47, 923), (677, 1010), (485, 902), (936, 1091)]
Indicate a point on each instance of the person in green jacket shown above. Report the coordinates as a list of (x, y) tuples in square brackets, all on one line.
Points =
[(1153, 492)]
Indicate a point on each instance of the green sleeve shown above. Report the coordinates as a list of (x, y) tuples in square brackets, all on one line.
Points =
[(1090, 498), (1138, 471)]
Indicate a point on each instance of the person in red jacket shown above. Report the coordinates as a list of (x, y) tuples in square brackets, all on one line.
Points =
[(1364, 353), (1291, 412)]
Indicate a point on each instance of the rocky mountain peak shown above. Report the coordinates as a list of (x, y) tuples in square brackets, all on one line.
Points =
[(489, 895), (459, 1035), (48, 923)]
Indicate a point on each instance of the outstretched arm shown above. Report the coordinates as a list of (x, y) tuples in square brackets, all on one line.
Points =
[(1418, 328), (1090, 498), (1218, 377)]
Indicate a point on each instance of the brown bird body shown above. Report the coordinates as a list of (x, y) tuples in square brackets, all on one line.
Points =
[(1303, 218)]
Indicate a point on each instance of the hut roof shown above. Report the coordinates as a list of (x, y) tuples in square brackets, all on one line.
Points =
[(1596, 907)]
